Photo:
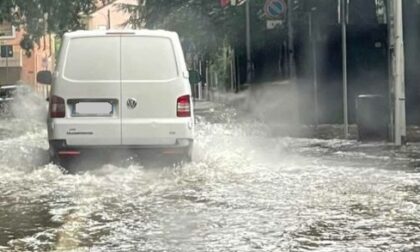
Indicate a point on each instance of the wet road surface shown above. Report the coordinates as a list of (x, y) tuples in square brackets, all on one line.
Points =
[(245, 191)]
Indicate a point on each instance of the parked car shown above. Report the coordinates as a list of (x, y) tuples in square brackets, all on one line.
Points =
[(10, 93), (118, 90), (7, 93)]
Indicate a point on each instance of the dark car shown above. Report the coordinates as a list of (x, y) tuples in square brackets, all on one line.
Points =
[(7, 93)]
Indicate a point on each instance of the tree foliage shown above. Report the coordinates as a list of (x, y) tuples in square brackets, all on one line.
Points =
[(37, 17), (203, 25)]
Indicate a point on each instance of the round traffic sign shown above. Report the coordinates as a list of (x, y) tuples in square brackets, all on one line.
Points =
[(275, 8)]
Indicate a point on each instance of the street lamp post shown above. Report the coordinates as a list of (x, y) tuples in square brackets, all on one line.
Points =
[(397, 41)]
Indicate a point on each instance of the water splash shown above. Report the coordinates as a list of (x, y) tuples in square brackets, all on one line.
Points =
[(244, 191)]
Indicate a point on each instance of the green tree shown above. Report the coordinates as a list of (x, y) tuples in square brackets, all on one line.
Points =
[(200, 23), (37, 17)]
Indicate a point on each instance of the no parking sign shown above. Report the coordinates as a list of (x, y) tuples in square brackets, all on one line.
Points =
[(275, 9)]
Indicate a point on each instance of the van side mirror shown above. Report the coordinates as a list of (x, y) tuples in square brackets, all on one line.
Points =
[(195, 77), (44, 77)]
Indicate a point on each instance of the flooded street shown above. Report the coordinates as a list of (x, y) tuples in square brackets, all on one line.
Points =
[(244, 191)]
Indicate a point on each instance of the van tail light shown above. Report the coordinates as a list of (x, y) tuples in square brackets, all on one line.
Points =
[(183, 106), (57, 107)]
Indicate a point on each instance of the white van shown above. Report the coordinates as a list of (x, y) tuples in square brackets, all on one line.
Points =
[(120, 90)]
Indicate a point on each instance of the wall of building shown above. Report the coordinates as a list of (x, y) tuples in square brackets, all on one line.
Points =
[(9, 76), (23, 67), (10, 67), (117, 17)]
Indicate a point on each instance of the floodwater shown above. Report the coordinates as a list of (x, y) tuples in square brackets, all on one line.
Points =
[(245, 191)]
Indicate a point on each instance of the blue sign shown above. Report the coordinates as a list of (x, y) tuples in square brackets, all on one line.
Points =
[(275, 8)]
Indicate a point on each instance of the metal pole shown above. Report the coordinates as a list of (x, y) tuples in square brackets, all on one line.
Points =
[(391, 46), (238, 73), (207, 97), (7, 65), (137, 23), (344, 58), (199, 85), (109, 19), (248, 43), (232, 70), (400, 116), (44, 87), (315, 67), (292, 69)]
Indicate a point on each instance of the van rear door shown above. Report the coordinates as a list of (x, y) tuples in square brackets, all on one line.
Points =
[(91, 87), (151, 84)]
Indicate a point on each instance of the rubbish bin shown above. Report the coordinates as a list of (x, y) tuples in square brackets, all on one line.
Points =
[(372, 116)]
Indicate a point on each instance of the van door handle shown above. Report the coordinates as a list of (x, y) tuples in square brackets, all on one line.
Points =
[(131, 103)]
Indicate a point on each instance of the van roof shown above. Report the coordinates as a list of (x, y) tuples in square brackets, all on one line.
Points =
[(94, 33)]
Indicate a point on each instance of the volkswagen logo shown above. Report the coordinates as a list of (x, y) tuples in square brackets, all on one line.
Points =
[(131, 103)]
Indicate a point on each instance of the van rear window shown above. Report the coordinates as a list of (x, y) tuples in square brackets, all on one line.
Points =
[(93, 59), (141, 59), (148, 58)]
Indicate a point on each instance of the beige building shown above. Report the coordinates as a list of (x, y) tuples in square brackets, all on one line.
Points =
[(111, 16), (22, 67)]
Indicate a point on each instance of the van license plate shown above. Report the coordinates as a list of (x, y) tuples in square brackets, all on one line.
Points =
[(93, 109)]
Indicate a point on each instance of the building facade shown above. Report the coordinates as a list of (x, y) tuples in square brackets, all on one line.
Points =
[(111, 16), (21, 66)]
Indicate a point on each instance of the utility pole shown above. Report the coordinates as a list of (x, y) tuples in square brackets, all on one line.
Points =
[(398, 71), (344, 19), (249, 69)]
